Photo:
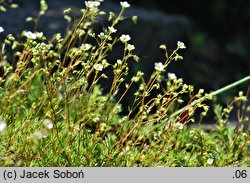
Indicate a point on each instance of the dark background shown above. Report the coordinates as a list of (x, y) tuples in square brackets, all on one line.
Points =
[(218, 42)]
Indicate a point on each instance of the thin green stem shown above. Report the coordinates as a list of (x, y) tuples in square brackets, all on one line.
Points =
[(231, 86)]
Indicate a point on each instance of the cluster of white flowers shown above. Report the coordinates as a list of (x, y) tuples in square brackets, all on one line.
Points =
[(31, 35), (125, 38), (125, 4), (3, 126), (98, 67), (85, 47), (159, 66), (93, 5), (1, 29), (112, 29), (41, 49), (181, 45)]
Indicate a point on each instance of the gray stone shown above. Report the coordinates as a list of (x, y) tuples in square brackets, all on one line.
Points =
[(14, 20)]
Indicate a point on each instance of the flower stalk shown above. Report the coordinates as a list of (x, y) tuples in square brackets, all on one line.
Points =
[(214, 93)]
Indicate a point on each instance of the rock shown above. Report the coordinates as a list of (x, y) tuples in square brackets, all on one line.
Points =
[(153, 27), (14, 20)]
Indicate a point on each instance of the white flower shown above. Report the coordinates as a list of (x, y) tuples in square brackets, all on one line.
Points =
[(131, 47), (163, 47), (85, 46), (119, 61), (112, 29), (1, 29), (172, 76), (102, 35), (3, 126), (181, 45), (98, 67), (159, 67), (210, 161), (125, 4), (31, 35), (125, 38), (48, 123), (201, 91), (178, 125), (92, 4)]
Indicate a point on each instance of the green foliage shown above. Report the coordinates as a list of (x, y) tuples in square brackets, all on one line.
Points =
[(54, 112)]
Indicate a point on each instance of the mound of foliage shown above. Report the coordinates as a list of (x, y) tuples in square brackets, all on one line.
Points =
[(54, 112)]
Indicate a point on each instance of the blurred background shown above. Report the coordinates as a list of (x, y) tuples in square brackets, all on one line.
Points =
[(218, 39)]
